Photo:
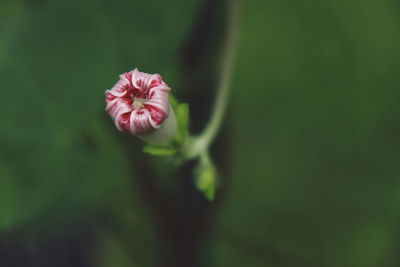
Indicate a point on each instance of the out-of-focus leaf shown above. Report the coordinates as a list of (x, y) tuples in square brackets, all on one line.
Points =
[(205, 176), (182, 117), (159, 150), (181, 111)]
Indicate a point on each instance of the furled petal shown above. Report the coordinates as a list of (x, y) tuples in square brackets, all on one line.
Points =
[(138, 103)]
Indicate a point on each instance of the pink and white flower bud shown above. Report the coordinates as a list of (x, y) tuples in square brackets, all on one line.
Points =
[(138, 103)]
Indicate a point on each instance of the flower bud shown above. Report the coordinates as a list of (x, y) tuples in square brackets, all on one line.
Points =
[(206, 177), (138, 103)]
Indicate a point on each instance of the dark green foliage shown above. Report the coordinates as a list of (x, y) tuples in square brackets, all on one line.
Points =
[(314, 127)]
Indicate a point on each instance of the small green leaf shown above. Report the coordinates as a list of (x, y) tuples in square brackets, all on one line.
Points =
[(181, 111), (182, 117), (173, 101), (159, 150), (206, 177)]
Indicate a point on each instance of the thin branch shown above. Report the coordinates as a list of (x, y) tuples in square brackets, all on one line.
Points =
[(220, 104)]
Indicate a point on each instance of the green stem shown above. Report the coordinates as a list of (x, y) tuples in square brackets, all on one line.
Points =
[(199, 145)]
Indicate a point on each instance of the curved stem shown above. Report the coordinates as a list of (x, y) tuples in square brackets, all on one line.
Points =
[(220, 104), (201, 143)]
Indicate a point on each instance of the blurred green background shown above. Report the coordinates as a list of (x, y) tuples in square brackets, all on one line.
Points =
[(309, 154)]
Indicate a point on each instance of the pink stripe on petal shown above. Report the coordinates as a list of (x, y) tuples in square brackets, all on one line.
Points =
[(140, 122), (123, 122), (156, 115)]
